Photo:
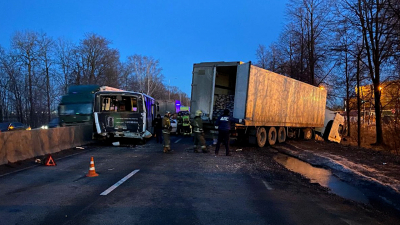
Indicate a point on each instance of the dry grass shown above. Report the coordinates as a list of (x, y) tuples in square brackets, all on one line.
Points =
[(391, 137)]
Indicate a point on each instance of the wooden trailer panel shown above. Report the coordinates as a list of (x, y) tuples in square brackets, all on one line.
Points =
[(276, 100)]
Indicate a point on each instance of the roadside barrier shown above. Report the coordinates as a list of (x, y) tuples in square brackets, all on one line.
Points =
[(25, 144), (92, 171)]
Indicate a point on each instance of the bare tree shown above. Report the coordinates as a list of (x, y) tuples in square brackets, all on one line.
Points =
[(287, 44), (66, 62), (146, 72), (36, 70), (11, 81), (313, 18), (3, 85), (376, 25), (26, 49), (94, 54), (45, 55), (344, 50), (262, 56)]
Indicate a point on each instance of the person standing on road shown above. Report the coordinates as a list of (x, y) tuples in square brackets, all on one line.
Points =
[(199, 133), (157, 123), (166, 126), (223, 124), (180, 122)]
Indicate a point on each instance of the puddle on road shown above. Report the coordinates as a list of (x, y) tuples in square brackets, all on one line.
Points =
[(323, 177)]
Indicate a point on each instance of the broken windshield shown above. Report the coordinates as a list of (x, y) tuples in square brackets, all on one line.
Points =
[(118, 103), (76, 109)]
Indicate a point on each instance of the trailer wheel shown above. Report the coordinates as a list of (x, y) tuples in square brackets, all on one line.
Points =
[(307, 134), (272, 136), (261, 137), (281, 135)]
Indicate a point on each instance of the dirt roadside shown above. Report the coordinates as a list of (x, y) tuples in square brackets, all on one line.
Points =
[(377, 171)]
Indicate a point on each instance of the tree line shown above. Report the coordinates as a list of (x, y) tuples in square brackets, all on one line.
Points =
[(37, 69), (342, 45)]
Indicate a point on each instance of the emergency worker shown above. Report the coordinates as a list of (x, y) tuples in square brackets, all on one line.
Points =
[(166, 125), (223, 124), (180, 123), (157, 123), (187, 129), (199, 133)]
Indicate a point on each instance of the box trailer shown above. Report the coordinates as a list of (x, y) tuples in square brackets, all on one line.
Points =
[(271, 105), (172, 106)]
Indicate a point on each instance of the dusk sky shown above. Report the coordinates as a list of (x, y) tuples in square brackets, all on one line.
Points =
[(178, 32)]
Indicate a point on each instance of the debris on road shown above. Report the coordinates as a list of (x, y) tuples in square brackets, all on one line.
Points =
[(318, 138), (239, 150), (115, 143), (79, 147)]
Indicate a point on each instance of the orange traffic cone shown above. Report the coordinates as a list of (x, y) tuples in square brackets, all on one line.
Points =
[(92, 171)]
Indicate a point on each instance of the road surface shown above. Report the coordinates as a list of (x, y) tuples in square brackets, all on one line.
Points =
[(141, 185)]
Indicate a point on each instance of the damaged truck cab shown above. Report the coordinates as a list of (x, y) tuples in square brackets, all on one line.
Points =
[(123, 114)]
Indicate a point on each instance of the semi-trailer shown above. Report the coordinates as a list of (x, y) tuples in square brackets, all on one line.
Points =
[(272, 106)]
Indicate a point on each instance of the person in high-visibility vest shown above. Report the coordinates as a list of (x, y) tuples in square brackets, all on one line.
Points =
[(186, 127), (179, 129), (166, 125), (199, 133)]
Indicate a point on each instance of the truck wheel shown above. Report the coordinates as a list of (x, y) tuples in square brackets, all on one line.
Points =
[(261, 137), (272, 136), (281, 135), (307, 134)]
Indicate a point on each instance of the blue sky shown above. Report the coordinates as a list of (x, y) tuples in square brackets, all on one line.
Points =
[(176, 32)]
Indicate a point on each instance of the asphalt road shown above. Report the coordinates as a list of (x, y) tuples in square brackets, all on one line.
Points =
[(180, 188)]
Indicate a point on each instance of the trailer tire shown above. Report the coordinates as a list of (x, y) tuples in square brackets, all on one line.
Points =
[(307, 134), (261, 137), (281, 134), (272, 136)]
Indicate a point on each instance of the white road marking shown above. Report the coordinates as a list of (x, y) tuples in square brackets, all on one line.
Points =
[(110, 189), (178, 140), (269, 188)]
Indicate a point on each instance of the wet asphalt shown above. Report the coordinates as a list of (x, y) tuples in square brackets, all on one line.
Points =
[(249, 187)]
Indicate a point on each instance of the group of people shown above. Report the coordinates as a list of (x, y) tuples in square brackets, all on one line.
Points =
[(222, 124), (183, 126)]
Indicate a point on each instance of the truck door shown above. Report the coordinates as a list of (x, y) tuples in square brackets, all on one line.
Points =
[(242, 81), (203, 83)]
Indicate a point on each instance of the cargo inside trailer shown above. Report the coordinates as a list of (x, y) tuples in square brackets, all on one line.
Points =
[(224, 92)]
